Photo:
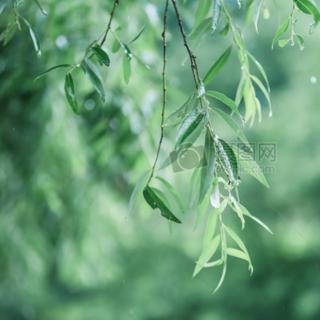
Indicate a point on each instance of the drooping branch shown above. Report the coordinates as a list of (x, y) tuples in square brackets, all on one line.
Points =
[(115, 5), (164, 84), (192, 57)]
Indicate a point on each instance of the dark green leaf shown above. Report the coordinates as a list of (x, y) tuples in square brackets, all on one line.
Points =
[(70, 93), (94, 76), (228, 159), (155, 202), (307, 7), (101, 55), (217, 66)]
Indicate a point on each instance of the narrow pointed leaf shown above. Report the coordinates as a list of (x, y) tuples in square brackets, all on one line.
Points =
[(101, 55), (70, 93), (188, 125), (151, 197), (208, 166), (217, 66), (94, 76)]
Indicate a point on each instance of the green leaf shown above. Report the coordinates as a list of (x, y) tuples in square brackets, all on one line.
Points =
[(248, 164), (33, 36), (188, 125), (210, 243), (173, 192), (208, 166), (138, 35), (228, 159), (116, 45), (175, 118), (206, 254), (283, 42), (126, 68), (224, 99), (232, 124), (281, 31), (43, 11), (94, 76), (53, 68), (218, 65), (238, 254), (101, 55), (155, 202), (234, 204), (264, 90), (240, 244), (137, 189), (202, 11), (70, 93), (254, 218), (261, 70), (200, 30), (257, 15), (307, 7)]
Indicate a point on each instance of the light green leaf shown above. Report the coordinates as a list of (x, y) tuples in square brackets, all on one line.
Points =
[(248, 164), (207, 252), (281, 31), (254, 218), (137, 190), (240, 244), (126, 68), (202, 11), (232, 124), (261, 70), (238, 254)]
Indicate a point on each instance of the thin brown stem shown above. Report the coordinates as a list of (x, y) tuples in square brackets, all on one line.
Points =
[(115, 5), (192, 57), (164, 85)]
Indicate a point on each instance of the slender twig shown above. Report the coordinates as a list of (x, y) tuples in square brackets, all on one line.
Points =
[(192, 57), (164, 85), (115, 4)]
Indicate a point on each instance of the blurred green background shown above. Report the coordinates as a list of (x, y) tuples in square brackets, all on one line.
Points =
[(69, 250)]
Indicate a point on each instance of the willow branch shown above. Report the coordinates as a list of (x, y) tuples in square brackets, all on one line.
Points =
[(164, 84), (192, 57), (115, 5)]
